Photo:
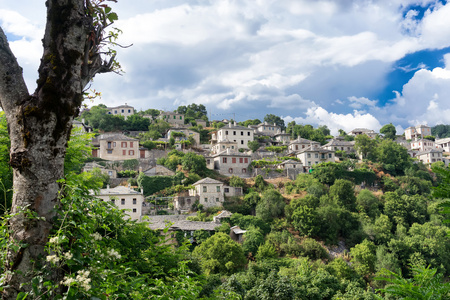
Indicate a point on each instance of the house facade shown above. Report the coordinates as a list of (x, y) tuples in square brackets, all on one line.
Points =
[(423, 145), (315, 155), (443, 143), (172, 117), (268, 129), (430, 156), (340, 145), (117, 147), (232, 132), (300, 144), (232, 163), (209, 192), (121, 110), (223, 146), (124, 198), (159, 170), (92, 165), (358, 131), (415, 132), (186, 133)]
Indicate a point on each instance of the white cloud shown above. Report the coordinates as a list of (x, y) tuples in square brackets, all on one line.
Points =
[(347, 122), (358, 103)]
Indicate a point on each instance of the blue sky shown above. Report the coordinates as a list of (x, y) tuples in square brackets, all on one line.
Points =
[(342, 63)]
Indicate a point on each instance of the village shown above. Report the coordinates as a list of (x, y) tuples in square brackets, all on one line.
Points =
[(276, 155)]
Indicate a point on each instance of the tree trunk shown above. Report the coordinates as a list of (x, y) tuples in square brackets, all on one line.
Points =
[(39, 127)]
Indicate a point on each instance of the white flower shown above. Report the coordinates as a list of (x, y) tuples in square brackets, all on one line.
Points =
[(68, 255), (56, 239), (113, 253), (83, 279), (53, 259), (96, 236), (68, 281)]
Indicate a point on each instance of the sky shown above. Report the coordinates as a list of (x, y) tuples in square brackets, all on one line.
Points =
[(344, 64)]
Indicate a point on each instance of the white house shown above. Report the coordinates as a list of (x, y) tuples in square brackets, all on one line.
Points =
[(267, 129), (116, 147), (223, 146), (338, 144), (232, 163), (300, 144), (232, 132), (210, 192), (290, 164), (414, 132), (121, 110), (423, 145), (124, 198), (430, 156), (314, 155), (443, 143)]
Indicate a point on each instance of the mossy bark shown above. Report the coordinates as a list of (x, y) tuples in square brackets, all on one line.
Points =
[(39, 127)]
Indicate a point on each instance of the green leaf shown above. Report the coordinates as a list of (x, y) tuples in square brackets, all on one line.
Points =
[(112, 17)]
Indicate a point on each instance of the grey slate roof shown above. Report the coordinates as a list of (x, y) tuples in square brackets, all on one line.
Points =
[(208, 180)]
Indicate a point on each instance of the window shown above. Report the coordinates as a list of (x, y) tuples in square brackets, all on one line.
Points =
[(114, 144), (218, 188), (244, 170), (316, 155), (241, 160), (110, 173), (309, 155), (131, 152), (224, 160), (242, 133), (204, 189), (226, 132), (109, 151), (230, 170), (296, 147), (123, 144), (174, 117), (206, 199), (208, 161), (234, 132), (131, 144), (134, 210), (226, 190), (129, 111), (181, 117), (115, 112), (242, 142), (123, 111), (248, 133), (246, 160), (329, 155), (232, 147), (217, 199), (113, 201), (122, 201), (134, 201), (124, 152), (109, 144), (233, 160)]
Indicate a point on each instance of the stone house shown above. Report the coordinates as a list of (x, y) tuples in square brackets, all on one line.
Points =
[(223, 146), (314, 155), (232, 163), (443, 143), (339, 144), (282, 138), (116, 147), (159, 170), (423, 145), (415, 132), (121, 110), (232, 132), (300, 144), (184, 131), (290, 164), (210, 192), (267, 129), (430, 156), (358, 131), (172, 117), (124, 198), (92, 165)]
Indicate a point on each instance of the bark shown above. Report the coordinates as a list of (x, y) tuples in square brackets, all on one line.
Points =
[(39, 126)]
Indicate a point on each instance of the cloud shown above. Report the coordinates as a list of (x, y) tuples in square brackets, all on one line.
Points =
[(347, 122), (361, 101), (423, 100)]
